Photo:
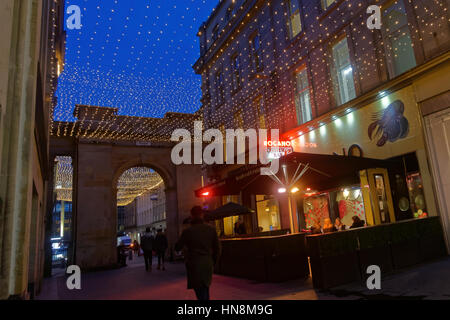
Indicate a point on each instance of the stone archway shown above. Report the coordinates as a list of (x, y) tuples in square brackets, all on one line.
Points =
[(98, 168), (170, 190)]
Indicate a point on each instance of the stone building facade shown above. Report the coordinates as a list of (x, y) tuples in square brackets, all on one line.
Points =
[(31, 57), (305, 66)]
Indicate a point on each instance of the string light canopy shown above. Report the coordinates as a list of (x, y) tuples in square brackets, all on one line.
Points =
[(135, 182), (135, 56), (132, 183), (63, 178)]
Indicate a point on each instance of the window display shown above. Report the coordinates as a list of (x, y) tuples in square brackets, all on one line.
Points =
[(316, 209), (268, 213), (416, 196), (350, 203)]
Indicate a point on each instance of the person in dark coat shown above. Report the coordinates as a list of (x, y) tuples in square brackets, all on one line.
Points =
[(160, 246), (121, 255), (357, 222), (147, 247), (239, 227), (203, 250)]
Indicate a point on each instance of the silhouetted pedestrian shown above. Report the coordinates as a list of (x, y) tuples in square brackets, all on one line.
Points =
[(147, 246), (160, 246), (203, 248)]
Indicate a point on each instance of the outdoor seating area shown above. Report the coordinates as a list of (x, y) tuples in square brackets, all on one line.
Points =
[(336, 258), (343, 257), (264, 259)]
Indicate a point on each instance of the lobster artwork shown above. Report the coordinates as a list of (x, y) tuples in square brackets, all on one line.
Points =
[(391, 127)]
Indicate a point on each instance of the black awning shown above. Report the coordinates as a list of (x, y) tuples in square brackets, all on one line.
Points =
[(325, 172), (228, 210)]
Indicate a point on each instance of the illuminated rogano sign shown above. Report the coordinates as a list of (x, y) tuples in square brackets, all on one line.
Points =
[(270, 143), (277, 149)]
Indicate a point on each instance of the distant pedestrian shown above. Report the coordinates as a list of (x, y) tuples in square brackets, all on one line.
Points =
[(121, 255), (136, 247), (147, 246), (203, 249), (160, 246)]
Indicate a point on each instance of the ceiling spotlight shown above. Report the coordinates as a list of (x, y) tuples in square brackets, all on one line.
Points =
[(281, 190)]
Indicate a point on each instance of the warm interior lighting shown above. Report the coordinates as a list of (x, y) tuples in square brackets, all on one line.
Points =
[(294, 190), (346, 193), (281, 190)]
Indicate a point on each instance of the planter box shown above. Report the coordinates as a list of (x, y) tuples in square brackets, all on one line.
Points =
[(431, 239), (334, 259), (286, 259), (380, 256), (272, 259), (328, 272), (374, 249), (405, 254)]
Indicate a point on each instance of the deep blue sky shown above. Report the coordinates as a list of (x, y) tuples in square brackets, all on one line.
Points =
[(135, 55)]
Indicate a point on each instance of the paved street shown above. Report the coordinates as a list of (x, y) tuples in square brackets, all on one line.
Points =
[(430, 281)]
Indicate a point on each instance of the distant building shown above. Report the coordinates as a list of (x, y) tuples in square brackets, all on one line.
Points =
[(120, 218), (146, 211)]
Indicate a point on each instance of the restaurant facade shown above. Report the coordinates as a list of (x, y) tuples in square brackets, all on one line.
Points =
[(345, 93)]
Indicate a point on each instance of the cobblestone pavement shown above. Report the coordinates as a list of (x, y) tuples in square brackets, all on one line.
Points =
[(430, 281)]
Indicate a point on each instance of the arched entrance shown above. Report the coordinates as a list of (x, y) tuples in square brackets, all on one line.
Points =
[(97, 170), (141, 203)]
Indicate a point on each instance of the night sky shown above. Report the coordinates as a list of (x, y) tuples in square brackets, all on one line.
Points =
[(136, 55)]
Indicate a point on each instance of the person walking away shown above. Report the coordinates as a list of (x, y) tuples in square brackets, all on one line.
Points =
[(121, 255), (203, 250), (147, 247), (136, 247), (160, 247)]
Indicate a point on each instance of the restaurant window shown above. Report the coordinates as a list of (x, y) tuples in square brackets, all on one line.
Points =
[(316, 209), (260, 113), (220, 91), (268, 212), (382, 198), (302, 97), (327, 3), (229, 222), (350, 203), (236, 72), (397, 39), (255, 43), (416, 195), (344, 86), (294, 18)]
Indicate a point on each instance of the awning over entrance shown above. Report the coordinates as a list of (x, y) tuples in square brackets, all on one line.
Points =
[(228, 210), (325, 172)]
